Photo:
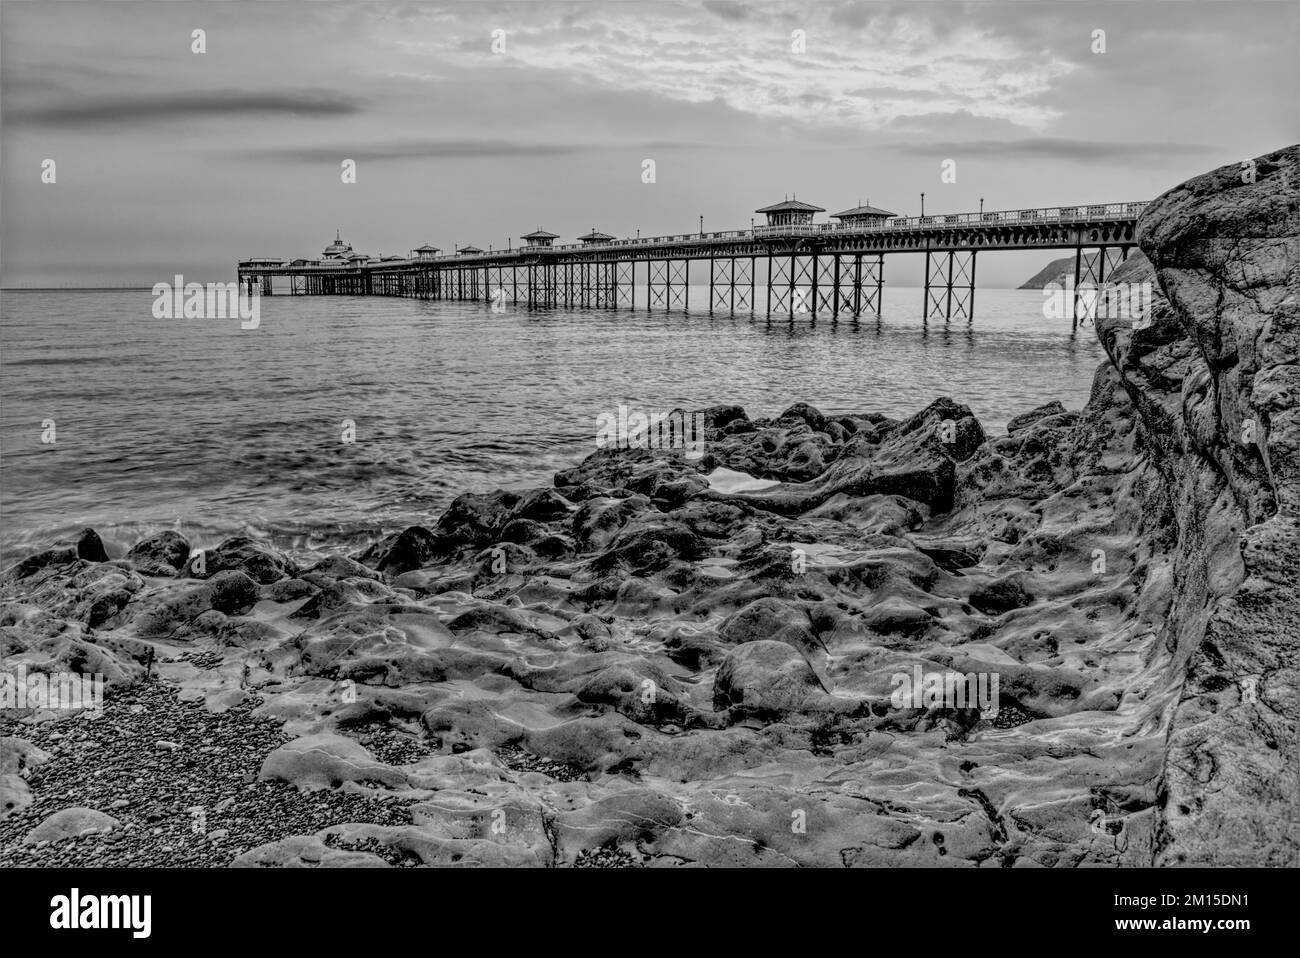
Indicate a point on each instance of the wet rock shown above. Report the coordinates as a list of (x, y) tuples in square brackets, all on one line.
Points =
[(1001, 595), (41, 560), (802, 412), (412, 548), (326, 761), (475, 519), (339, 567), (767, 676), (769, 618), (71, 823), (163, 554), (257, 560), (232, 592), (722, 416), (90, 547), (1025, 419)]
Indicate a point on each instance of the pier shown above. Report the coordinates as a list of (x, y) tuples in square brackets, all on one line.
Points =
[(789, 266)]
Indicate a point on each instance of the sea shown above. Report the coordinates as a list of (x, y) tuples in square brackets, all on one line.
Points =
[(339, 419)]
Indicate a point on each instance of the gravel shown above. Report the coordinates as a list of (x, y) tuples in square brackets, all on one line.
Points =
[(121, 764)]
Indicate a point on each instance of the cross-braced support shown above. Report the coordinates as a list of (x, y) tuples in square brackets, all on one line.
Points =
[(658, 281), (826, 284), (666, 283), (742, 285), (625, 285), (790, 284), (722, 284), (949, 285), (1090, 274), (862, 281)]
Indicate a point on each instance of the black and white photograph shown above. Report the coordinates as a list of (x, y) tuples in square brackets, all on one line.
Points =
[(650, 434)]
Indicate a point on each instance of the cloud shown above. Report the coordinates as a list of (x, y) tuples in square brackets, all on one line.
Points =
[(466, 148), (751, 66), (1058, 148), (726, 9), (412, 149), (167, 107)]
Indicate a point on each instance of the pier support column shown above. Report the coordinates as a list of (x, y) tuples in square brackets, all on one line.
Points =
[(857, 285), (790, 291), (815, 271), (880, 285), (936, 290), (1090, 274), (961, 291), (625, 284)]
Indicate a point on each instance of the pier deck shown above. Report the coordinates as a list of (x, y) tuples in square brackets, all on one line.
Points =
[(806, 268)]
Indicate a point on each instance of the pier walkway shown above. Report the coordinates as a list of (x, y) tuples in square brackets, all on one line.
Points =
[(793, 265)]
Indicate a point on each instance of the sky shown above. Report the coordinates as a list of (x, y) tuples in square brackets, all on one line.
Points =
[(170, 161)]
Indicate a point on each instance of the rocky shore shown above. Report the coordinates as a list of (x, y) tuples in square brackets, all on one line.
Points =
[(660, 661)]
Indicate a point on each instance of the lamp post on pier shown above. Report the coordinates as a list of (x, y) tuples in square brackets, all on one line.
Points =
[(922, 204)]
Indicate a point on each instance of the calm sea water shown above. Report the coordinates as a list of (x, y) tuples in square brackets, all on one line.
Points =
[(212, 430)]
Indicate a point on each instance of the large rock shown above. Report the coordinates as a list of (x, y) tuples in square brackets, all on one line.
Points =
[(1216, 381), (259, 561), (71, 823), (326, 761), (162, 554), (916, 458), (767, 676)]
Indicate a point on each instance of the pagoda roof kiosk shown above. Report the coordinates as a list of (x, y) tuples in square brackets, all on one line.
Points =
[(539, 237), (862, 215), (790, 212)]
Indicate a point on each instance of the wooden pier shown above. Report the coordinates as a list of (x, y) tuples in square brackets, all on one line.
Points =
[(791, 266)]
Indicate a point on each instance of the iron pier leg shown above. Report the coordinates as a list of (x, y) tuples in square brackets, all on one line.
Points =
[(1078, 267), (769, 284), (880, 285), (790, 291), (835, 300), (948, 306)]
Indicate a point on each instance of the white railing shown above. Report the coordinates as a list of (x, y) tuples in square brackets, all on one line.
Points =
[(1040, 216)]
